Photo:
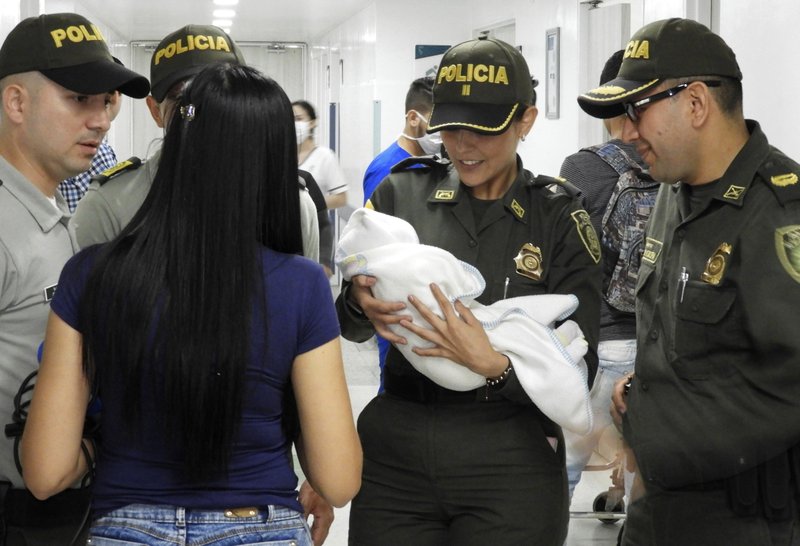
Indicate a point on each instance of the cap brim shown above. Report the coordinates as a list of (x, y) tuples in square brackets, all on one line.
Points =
[(100, 77), (489, 119), (160, 90), (606, 101)]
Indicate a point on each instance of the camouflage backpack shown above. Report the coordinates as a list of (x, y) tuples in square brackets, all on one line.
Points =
[(623, 224)]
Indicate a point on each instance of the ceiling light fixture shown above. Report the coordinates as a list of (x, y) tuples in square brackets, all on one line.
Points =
[(224, 14)]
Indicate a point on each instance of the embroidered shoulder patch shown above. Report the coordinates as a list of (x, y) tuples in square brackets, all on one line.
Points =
[(587, 234), (787, 246)]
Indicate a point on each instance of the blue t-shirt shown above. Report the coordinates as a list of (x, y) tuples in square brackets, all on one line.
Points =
[(381, 166), (301, 317)]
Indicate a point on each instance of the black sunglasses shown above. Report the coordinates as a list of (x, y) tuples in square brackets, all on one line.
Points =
[(632, 109)]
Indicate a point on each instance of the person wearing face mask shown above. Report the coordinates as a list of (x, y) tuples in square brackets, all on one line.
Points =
[(413, 141), (481, 466), (320, 161)]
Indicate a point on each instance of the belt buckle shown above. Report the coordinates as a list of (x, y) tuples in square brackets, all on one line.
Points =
[(245, 512)]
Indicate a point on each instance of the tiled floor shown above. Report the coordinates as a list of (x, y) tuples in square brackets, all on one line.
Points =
[(361, 368)]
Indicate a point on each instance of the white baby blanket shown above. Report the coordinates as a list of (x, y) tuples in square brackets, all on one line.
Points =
[(547, 362)]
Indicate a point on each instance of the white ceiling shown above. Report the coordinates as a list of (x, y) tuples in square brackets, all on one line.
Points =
[(256, 20)]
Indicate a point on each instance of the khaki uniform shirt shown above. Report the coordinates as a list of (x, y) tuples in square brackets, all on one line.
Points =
[(35, 243), (107, 208)]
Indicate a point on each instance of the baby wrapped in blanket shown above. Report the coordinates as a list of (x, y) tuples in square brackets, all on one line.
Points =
[(547, 360)]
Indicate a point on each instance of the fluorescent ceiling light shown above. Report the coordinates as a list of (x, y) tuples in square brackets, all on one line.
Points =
[(222, 23), (224, 13)]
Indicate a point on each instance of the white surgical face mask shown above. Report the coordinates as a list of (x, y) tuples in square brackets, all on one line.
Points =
[(430, 144), (302, 129)]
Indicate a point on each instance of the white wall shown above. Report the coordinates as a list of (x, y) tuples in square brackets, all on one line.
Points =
[(764, 38), (379, 65)]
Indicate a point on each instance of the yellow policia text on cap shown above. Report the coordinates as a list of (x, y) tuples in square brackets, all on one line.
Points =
[(76, 34), (637, 49), (479, 73), (200, 42)]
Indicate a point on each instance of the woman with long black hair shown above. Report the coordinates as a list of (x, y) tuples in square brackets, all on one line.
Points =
[(193, 328)]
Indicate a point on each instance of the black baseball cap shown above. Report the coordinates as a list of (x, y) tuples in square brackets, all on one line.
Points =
[(670, 48), (69, 50), (186, 52), (480, 85)]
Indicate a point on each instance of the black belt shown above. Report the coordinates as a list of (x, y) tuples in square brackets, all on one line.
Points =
[(423, 390)]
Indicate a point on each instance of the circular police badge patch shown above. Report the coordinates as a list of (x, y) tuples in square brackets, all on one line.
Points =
[(587, 234), (787, 245)]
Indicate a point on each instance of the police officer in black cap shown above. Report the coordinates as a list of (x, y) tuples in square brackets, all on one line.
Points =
[(713, 413), (482, 466)]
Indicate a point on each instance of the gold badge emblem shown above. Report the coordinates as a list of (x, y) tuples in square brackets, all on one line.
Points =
[(787, 245), (715, 266), (734, 192), (517, 208), (783, 180), (529, 262), (652, 249), (587, 234), (444, 195)]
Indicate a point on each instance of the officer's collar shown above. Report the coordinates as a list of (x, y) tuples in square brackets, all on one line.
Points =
[(451, 190)]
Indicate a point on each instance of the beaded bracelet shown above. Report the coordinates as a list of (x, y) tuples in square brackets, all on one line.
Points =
[(493, 381)]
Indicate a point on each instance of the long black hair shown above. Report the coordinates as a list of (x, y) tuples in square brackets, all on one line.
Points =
[(170, 302)]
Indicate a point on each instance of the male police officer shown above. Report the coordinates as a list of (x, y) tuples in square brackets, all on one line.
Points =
[(712, 414), (114, 198), (57, 77)]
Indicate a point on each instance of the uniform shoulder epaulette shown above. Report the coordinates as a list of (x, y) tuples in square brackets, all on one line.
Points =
[(130, 164), (782, 175), (557, 184), (429, 161)]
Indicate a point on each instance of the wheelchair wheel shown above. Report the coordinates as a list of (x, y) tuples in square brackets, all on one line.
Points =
[(601, 504)]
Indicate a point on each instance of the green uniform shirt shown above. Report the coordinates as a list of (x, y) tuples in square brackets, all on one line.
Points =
[(717, 387), (547, 230), (35, 243)]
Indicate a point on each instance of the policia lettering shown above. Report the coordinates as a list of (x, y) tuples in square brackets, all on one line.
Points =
[(193, 42), (480, 73), (76, 34)]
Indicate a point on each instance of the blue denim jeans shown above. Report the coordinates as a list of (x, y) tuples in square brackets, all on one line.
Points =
[(616, 359), (158, 525)]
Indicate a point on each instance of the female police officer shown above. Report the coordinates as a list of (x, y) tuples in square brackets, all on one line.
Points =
[(483, 466)]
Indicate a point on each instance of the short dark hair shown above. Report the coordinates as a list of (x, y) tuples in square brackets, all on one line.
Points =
[(305, 105), (611, 68), (728, 94), (420, 95)]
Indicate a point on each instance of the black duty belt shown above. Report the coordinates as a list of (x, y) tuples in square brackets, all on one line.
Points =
[(423, 390)]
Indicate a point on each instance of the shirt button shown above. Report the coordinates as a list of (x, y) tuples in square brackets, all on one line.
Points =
[(681, 233), (645, 387), (663, 286), (473, 243), (654, 334)]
